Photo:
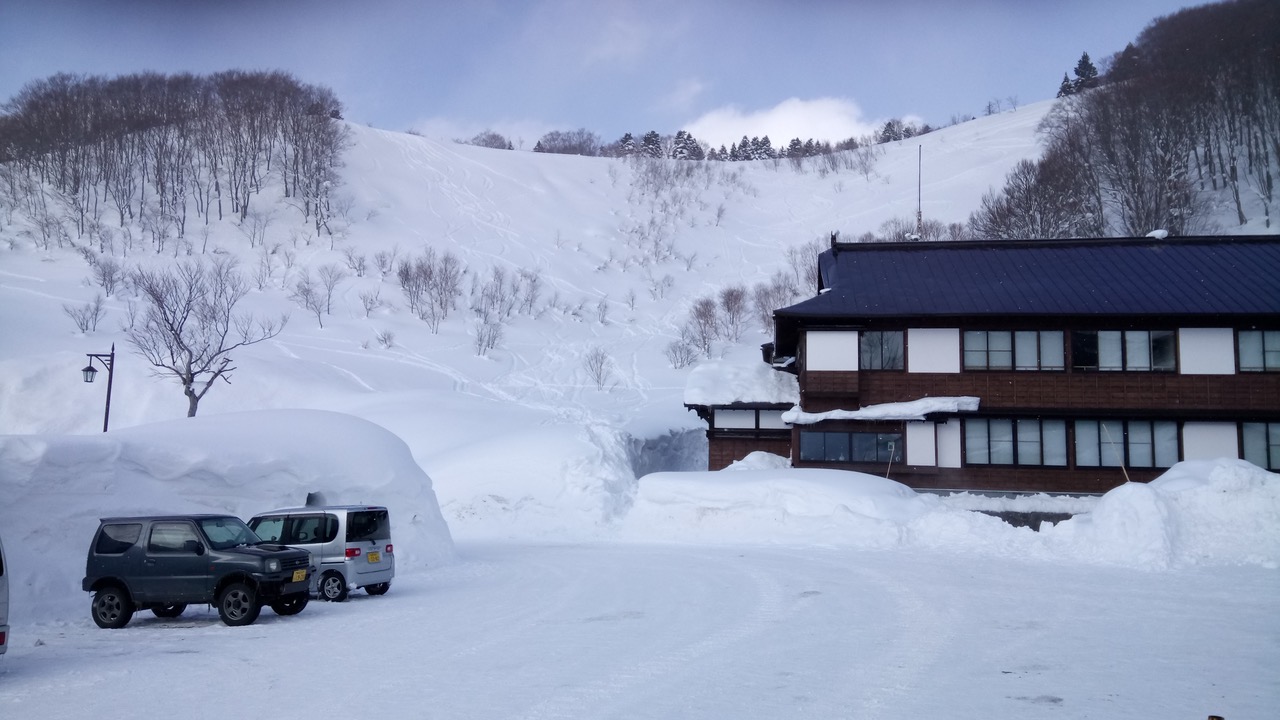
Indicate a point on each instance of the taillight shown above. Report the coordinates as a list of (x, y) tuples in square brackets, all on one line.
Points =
[(388, 548), (353, 552)]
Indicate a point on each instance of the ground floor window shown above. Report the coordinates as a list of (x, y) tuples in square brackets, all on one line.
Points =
[(1131, 443), (1261, 444), (1025, 441), (869, 447)]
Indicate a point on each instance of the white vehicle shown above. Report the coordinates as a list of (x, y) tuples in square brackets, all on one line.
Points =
[(4, 603), (350, 545)]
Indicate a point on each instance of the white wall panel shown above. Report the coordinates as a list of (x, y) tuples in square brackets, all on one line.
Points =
[(1207, 351), (1207, 441), (933, 350), (829, 350)]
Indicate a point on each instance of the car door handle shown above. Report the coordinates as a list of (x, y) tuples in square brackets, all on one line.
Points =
[(148, 562)]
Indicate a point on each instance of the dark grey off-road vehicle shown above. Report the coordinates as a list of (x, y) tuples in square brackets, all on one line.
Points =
[(165, 563)]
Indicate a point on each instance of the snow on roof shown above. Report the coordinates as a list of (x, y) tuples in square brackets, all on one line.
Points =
[(720, 382), (910, 410)]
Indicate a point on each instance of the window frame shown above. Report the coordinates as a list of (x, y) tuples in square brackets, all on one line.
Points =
[(1270, 446), (1268, 347), (1108, 446), (831, 439), (1128, 346), (864, 357), (1018, 432), (1017, 360)]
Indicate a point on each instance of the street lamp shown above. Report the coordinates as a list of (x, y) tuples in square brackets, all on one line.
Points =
[(108, 361)]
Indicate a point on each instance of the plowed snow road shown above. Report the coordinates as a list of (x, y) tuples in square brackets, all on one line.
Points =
[(657, 631)]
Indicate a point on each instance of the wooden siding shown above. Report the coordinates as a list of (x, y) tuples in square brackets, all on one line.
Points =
[(724, 451), (1226, 396)]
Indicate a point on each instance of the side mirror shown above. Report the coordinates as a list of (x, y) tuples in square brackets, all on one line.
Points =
[(193, 546)]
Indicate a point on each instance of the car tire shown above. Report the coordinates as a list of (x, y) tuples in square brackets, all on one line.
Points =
[(378, 588), (333, 587), (169, 611), (238, 604), (290, 604), (111, 609)]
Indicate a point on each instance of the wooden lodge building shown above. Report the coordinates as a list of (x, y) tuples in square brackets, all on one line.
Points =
[(1047, 365)]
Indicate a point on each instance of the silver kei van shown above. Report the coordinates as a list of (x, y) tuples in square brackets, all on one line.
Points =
[(349, 544)]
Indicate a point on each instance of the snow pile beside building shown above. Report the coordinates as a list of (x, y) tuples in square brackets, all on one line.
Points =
[(1199, 512), (1222, 512), (56, 487)]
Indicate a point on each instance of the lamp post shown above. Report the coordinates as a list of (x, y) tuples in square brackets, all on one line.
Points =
[(108, 361)]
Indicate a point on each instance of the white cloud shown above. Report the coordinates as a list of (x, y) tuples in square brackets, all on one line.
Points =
[(831, 119), (683, 96)]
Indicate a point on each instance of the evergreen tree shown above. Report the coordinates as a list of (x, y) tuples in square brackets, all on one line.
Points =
[(1086, 74), (627, 145), (795, 148), (1066, 88), (651, 145)]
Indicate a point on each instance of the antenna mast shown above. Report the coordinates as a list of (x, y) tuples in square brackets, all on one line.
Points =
[(919, 173)]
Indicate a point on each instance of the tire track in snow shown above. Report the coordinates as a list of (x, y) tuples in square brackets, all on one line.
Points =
[(601, 697)]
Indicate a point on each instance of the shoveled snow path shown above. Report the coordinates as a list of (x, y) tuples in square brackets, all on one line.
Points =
[(626, 631)]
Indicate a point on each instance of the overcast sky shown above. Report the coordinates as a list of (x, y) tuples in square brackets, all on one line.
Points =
[(720, 68)]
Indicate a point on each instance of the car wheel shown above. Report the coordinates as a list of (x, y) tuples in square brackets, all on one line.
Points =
[(291, 604), (238, 605), (112, 608), (169, 611), (378, 588), (333, 587)]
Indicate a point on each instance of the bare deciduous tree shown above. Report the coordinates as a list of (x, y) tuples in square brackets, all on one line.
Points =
[(703, 325), (189, 326), (87, 316), (733, 307), (330, 276), (599, 366), (309, 295), (680, 354)]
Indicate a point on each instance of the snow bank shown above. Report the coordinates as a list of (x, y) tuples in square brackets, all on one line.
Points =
[(1198, 513), (55, 487)]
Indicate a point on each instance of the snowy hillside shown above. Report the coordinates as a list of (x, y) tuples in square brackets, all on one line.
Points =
[(620, 252)]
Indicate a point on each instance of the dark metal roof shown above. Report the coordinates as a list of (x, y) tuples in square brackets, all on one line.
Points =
[(1123, 277)]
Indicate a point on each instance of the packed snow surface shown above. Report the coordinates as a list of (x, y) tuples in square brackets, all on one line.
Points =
[(758, 591)]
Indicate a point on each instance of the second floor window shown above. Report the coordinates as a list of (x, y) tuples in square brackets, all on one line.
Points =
[(1013, 350), (880, 350), (1259, 350), (1115, 350)]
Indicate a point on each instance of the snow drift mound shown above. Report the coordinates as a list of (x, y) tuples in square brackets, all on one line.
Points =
[(55, 487), (1219, 512)]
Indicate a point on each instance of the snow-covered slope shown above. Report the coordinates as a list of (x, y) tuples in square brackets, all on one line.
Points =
[(621, 251)]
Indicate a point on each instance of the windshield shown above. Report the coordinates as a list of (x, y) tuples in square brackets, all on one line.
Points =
[(228, 532)]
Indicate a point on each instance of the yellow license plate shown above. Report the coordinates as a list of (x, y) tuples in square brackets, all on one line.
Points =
[(375, 557), (299, 575)]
